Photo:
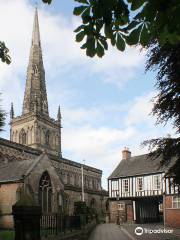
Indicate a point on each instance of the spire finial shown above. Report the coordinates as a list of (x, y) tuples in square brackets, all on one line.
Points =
[(59, 114), (36, 34), (12, 111)]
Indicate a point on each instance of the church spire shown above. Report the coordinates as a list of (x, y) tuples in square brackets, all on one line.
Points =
[(36, 33), (35, 97)]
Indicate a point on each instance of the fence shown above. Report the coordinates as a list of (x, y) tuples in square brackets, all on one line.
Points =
[(53, 224)]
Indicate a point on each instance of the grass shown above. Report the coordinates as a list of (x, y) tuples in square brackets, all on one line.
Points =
[(7, 235)]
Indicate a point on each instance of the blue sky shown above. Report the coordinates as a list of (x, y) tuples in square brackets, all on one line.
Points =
[(105, 102)]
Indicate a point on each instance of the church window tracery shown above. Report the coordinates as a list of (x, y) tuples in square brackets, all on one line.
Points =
[(22, 137), (45, 192)]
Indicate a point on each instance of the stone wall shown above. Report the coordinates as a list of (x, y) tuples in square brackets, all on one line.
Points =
[(121, 211), (8, 197)]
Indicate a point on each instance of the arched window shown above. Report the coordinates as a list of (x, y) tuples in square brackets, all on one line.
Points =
[(45, 192), (93, 203), (22, 137), (68, 178), (47, 138)]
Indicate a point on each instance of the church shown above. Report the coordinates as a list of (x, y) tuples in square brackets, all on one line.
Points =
[(32, 158)]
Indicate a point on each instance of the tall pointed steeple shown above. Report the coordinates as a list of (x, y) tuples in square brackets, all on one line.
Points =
[(35, 128), (35, 97)]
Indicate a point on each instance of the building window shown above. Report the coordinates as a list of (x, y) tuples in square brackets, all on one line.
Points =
[(157, 182), (121, 206), (47, 138), (176, 202), (22, 137), (139, 183), (45, 192), (125, 185)]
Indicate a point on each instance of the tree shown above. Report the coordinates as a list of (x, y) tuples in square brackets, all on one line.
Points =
[(121, 23), (166, 60), (4, 53), (154, 25), (2, 119)]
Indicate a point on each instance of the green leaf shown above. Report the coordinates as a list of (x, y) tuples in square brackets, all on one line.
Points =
[(80, 36), (84, 46), (108, 30), (79, 28), (90, 50), (133, 37), (82, 1), (136, 4), (99, 25), (131, 25), (145, 37), (120, 44), (79, 10), (99, 50), (113, 40), (47, 1), (104, 43)]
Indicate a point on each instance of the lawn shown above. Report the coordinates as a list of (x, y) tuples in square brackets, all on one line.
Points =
[(6, 235)]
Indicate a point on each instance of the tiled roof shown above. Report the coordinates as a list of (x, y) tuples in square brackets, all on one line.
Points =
[(138, 165), (14, 171)]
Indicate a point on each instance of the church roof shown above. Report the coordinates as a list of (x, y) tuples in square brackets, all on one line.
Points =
[(15, 152), (14, 171), (138, 165)]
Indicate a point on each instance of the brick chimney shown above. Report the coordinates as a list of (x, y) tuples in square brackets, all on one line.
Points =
[(126, 153)]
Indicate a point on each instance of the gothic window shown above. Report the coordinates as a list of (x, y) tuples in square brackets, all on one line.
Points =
[(45, 192), (93, 203), (47, 138), (68, 179), (22, 137), (76, 182)]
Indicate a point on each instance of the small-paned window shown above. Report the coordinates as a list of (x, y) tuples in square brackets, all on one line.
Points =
[(176, 202), (125, 185), (157, 182), (139, 183)]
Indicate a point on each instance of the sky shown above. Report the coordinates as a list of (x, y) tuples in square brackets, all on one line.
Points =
[(105, 103)]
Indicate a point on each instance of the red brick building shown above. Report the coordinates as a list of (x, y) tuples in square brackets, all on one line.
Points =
[(139, 192)]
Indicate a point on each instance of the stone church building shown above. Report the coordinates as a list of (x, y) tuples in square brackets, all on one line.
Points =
[(32, 160)]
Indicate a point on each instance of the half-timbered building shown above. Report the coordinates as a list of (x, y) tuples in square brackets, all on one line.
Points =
[(139, 191)]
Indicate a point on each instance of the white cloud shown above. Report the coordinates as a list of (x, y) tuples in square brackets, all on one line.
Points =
[(82, 138), (140, 109)]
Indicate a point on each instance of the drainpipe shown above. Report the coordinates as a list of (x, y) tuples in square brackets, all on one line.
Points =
[(164, 208)]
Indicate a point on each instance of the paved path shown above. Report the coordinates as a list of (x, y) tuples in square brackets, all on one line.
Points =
[(108, 232), (127, 232)]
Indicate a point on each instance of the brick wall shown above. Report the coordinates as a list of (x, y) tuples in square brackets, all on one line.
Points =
[(172, 216)]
